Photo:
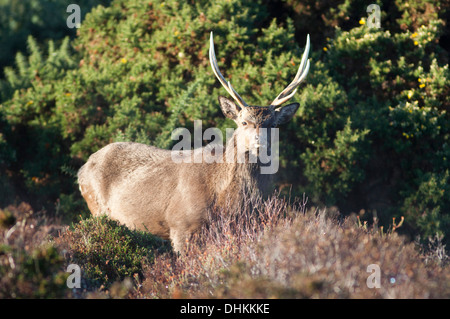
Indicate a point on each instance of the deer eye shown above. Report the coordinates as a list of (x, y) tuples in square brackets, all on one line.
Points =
[(244, 123)]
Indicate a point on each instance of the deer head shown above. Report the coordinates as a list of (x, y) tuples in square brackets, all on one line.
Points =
[(249, 118)]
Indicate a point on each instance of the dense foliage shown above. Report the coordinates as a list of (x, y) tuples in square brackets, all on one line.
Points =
[(94, 243), (42, 19), (372, 132)]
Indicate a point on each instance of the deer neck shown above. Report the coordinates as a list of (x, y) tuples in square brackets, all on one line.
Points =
[(238, 179)]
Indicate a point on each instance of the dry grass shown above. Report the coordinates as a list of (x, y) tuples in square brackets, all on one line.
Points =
[(274, 250), (267, 249)]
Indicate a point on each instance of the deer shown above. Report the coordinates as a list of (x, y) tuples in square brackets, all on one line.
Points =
[(142, 187)]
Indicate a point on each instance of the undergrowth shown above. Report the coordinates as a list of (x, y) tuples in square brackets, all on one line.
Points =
[(274, 248), (107, 251), (277, 250)]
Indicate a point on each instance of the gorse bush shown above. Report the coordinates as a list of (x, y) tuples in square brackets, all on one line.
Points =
[(50, 67), (395, 140), (43, 19), (371, 133), (34, 153)]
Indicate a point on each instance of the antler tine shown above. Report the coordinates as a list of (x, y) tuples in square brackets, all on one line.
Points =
[(302, 72), (226, 84)]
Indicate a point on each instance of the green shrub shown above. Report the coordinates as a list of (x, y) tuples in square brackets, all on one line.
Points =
[(396, 93), (43, 19), (34, 152), (107, 251)]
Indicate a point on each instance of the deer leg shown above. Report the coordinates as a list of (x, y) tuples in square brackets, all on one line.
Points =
[(178, 239)]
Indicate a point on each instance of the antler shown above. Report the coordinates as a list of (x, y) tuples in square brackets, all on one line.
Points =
[(290, 90), (226, 84)]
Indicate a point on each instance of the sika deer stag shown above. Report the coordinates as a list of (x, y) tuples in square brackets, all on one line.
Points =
[(142, 186)]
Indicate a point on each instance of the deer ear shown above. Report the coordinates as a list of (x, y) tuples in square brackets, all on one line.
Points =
[(286, 113), (229, 108)]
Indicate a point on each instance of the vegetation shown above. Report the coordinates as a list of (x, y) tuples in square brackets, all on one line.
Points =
[(30, 267), (371, 139), (292, 252), (44, 20), (108, 251), (274, 250)]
